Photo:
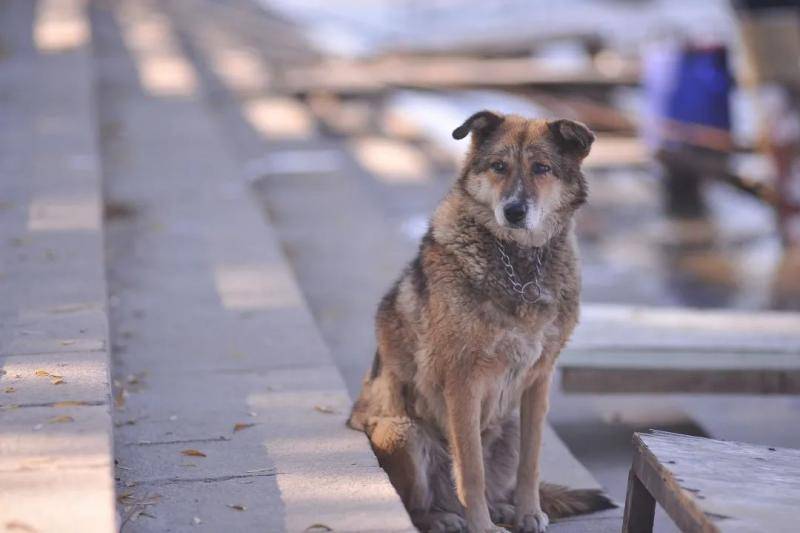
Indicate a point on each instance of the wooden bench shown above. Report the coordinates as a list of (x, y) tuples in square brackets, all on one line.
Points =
[(624, 349), (708, 485)]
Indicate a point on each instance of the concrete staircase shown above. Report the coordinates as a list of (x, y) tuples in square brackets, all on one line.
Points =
[(227, 409), (56, 462)]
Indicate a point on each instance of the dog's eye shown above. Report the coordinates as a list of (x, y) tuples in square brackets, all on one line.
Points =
[(541, 168), (498, 166)]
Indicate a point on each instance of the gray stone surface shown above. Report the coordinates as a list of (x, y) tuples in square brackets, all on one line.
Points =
[(55, 425), (209, 328)]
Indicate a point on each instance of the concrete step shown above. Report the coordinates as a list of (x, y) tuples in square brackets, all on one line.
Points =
[(55, 441), (230, 410)]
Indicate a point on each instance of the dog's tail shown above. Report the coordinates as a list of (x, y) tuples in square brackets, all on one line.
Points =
[(559, 501)]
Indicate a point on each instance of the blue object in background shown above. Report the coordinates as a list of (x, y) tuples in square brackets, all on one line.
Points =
[(702, 88)]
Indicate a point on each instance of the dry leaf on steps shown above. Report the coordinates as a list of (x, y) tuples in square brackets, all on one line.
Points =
[(69, 403), (60, 419), (193, 453), (317, 527)]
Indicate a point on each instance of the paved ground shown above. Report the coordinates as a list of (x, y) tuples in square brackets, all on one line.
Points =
[(55, 424), (229, 410)]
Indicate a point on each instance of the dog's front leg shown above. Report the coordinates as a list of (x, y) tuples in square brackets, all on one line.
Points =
[(463, 418), (533, 409)]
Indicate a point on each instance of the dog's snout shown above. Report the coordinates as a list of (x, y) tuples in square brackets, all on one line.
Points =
[(515, 212)]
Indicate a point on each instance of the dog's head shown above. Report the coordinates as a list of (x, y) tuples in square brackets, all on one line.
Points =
[(524, 174)]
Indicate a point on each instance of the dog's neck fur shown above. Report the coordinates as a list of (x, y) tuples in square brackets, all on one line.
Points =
[(460, 226)]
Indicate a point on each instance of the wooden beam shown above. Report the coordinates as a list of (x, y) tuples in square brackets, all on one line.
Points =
[(623, 349)]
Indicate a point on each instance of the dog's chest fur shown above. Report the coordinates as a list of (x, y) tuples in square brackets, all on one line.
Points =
[(515, 354)]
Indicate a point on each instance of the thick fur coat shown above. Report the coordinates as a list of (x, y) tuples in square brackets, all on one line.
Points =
[(469, 335)]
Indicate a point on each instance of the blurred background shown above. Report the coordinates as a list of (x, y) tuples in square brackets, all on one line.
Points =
[(694, 178)]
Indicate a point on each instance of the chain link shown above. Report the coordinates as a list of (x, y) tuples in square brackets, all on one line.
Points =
[(524, 290)]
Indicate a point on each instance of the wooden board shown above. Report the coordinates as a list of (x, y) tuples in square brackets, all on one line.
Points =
[(718, 486), (355, 77), (623, 349)]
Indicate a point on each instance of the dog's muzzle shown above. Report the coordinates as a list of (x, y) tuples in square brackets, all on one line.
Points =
[(515, 213)]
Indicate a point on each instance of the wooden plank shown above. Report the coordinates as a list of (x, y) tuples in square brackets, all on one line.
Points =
[(640, 507), (346, 76), (623, 349), (717, 486)]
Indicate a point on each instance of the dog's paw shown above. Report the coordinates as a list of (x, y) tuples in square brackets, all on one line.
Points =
[(502, 513), (533, 523), (447, 523)]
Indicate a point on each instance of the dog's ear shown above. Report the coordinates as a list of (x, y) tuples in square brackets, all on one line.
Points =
[(572, 137), (481, 124)]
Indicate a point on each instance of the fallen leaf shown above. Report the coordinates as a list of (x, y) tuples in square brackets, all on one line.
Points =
[(42, 373), (60, 419), (119, 398), (325, 409), (16, 525), (57, 381), (69, 342), (237, 506), (318, 527), (9, 390), (69, 403), (193, 453), (241, 425)]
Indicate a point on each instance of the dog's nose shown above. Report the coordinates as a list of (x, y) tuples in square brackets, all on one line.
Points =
[(515, 212)]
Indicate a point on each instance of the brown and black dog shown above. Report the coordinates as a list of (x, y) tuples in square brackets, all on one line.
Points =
[(468, 336)]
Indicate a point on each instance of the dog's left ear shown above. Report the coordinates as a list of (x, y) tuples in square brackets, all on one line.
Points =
[(481, 124), (572, 137)]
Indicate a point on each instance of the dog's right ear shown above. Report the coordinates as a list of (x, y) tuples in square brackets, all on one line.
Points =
[(481, 124)]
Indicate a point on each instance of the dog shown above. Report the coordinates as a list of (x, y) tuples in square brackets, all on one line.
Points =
[(468, 336)]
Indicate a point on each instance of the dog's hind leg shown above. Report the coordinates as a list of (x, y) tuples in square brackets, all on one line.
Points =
[(419, 467), (402, 452)]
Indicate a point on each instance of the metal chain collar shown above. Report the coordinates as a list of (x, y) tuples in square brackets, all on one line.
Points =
[(530, 292)]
